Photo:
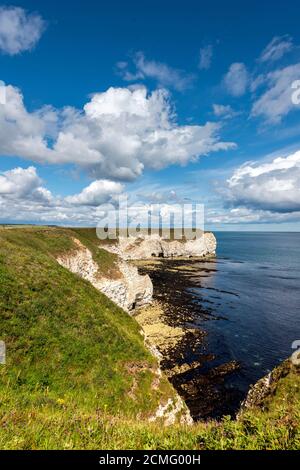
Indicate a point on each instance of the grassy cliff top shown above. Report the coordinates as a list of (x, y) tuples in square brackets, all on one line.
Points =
[(69, 349), (78, 374)]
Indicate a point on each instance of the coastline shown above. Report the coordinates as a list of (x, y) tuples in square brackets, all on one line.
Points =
[(172, 317), (169, 327), (145, 412)]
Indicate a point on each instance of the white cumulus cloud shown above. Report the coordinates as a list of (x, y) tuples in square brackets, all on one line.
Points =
[(20, 183), (19, 30), (271, 186), (117, 134), (24, 198), (98, 192)]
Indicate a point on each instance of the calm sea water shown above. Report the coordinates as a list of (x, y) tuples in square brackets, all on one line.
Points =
[(253, 294)]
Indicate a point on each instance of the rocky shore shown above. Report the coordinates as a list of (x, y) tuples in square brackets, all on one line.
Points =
[(170, 327)]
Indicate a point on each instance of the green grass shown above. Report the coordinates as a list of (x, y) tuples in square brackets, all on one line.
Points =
[(78, 374), (55, 241), (66, 342), (68, 425)]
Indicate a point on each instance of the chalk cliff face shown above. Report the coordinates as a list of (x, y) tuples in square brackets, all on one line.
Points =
[(148, 246), (129, 291), (132, 289)]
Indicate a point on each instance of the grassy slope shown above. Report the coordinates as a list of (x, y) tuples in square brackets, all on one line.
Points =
[(72, 378), (69, 348)]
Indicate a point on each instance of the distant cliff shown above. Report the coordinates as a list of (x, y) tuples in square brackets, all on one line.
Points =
[(148, 246)]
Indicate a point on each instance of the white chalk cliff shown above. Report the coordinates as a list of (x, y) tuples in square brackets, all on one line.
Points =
[(130, 290), (148, 246)]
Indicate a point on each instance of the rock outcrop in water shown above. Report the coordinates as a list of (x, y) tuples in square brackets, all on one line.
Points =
[(149, 246)]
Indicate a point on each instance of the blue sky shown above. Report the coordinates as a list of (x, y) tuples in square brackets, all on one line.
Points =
[(165, 101)]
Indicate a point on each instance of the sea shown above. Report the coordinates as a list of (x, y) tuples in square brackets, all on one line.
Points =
[(251, 293)]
